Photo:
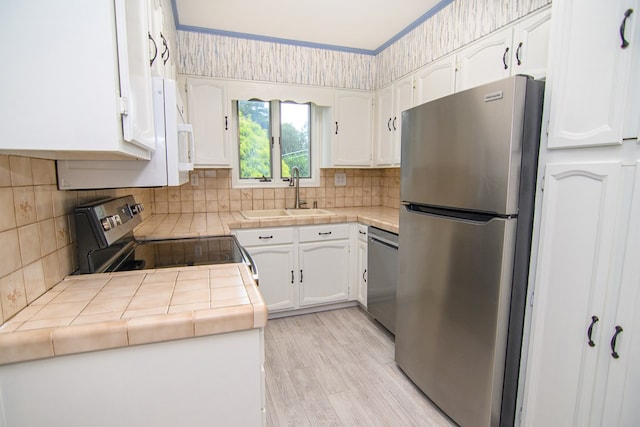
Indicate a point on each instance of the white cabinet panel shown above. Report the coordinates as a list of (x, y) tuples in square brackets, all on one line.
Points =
[(71, 86), (209, 113), (324, 272), (390, 103), (484, 61), (531, 45), (351, 129), (277, 275), (435, 80), (591, 75), (580, 206), (361, 265)]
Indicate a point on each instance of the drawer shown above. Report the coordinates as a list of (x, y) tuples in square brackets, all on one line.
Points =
[(265, 236), (362, 232), (316, 233)]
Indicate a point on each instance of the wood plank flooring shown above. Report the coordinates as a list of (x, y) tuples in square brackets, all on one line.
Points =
[(336, 368)]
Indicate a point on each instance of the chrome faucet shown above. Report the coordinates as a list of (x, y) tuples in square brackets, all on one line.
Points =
[(295, 181)]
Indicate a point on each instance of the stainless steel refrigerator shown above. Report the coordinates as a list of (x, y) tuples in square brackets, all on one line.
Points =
[(467, 186)]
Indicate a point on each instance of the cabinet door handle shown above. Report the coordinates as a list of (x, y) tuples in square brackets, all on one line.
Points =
[(165, 50), (265, 237), (623, 26), (362, 232), (291, 276), (324, 233), (394, 123), (518, 60), (614, 353), (226, 122), (336, 128), (389, 124), (300, 276), (594, 320), (504, 58), (364, 277), (155, 50)]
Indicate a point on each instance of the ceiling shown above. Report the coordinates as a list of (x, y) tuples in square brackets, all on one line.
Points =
[(361, 26)]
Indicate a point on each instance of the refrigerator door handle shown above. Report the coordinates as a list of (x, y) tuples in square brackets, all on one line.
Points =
[(456, 214)]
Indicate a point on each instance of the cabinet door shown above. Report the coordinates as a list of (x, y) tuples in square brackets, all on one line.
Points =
[(384, 131), (361, 271), (485, 61), (352, 129), (324, 272), (277, 275), (402, 100), (209, 115), (435, 80), (531, 45), (132, 23), (572, 284), (591, 73)]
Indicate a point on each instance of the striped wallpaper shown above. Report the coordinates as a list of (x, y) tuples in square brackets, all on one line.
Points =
[(454, 26)]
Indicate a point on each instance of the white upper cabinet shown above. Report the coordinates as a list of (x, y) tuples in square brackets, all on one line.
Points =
[(530, 47), (592, 73), (160, 54), (350, 142), (435, 80), (210, 114), (484, 61), (390, 103), (520, 49), (77, 81)]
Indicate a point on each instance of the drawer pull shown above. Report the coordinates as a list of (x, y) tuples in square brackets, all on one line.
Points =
[(292, 276), (300, 276), (624, 44), (265, 237), (362, 232), (614, 353), (324, 234), (594, 319)]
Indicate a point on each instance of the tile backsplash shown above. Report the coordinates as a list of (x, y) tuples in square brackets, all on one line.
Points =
[(365, 187), (37, 231)]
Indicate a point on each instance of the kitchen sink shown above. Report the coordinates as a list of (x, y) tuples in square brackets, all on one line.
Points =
[(283, 213)]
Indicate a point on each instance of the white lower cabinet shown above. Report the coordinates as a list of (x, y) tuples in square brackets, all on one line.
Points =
[(361, 265), (585, 338), (301, 267)]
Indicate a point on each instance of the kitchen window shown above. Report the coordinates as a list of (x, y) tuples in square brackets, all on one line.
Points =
[(273, 137)]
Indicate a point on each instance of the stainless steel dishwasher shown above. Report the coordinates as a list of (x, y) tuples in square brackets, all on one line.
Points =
[(382, 261)]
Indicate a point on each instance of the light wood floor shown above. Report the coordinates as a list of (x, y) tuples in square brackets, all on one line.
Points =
[(336, 368)]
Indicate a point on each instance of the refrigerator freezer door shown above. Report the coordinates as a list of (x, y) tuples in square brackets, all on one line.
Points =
[(452, 311), (463, 151)]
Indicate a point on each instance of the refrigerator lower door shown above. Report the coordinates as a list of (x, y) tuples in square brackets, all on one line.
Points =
[(453, 309)]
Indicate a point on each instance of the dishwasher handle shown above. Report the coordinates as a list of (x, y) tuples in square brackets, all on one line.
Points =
[(378, 239)]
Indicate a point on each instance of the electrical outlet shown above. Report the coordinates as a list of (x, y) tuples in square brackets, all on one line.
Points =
[(340, 179), (194, 180)]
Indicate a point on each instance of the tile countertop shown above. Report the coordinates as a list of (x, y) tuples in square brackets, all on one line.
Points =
[(164, 226), (100, 311)]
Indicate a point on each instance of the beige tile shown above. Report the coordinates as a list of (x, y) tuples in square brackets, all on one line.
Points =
[(34, 281), (23, 346), (107, 305), (51, 268), (20, 171), (43, 171), (160, 328), (84, 319), (190, 296), (150, 301), (228, 293), (217, 303), (48, 242), (44, 201), (89, 283), (45, 323), (72, 294), (221, 320), (226, 281), (117, 291), (5, 171), (161, 277), (63, 237), (24, 205), (13, 294), (46, 298), (193, 274), (9, 252), (8, 216), (82, 338), (144, 312), (29, 238), (25, 314), (62, 310), (191, 285), (125, 280), (181, 308)]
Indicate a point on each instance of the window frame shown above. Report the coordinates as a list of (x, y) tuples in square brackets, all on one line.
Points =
[(277, 182)]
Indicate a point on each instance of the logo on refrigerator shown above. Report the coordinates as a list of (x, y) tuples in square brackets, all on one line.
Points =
[(494, 96)]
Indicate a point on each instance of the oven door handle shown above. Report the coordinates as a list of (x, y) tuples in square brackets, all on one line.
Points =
[(111, 262), (252, 264)]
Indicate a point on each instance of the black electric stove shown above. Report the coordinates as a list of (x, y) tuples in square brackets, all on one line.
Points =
[(106, 242)]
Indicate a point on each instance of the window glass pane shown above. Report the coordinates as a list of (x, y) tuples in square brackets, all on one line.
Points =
[(294, 138), (254, 139)]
